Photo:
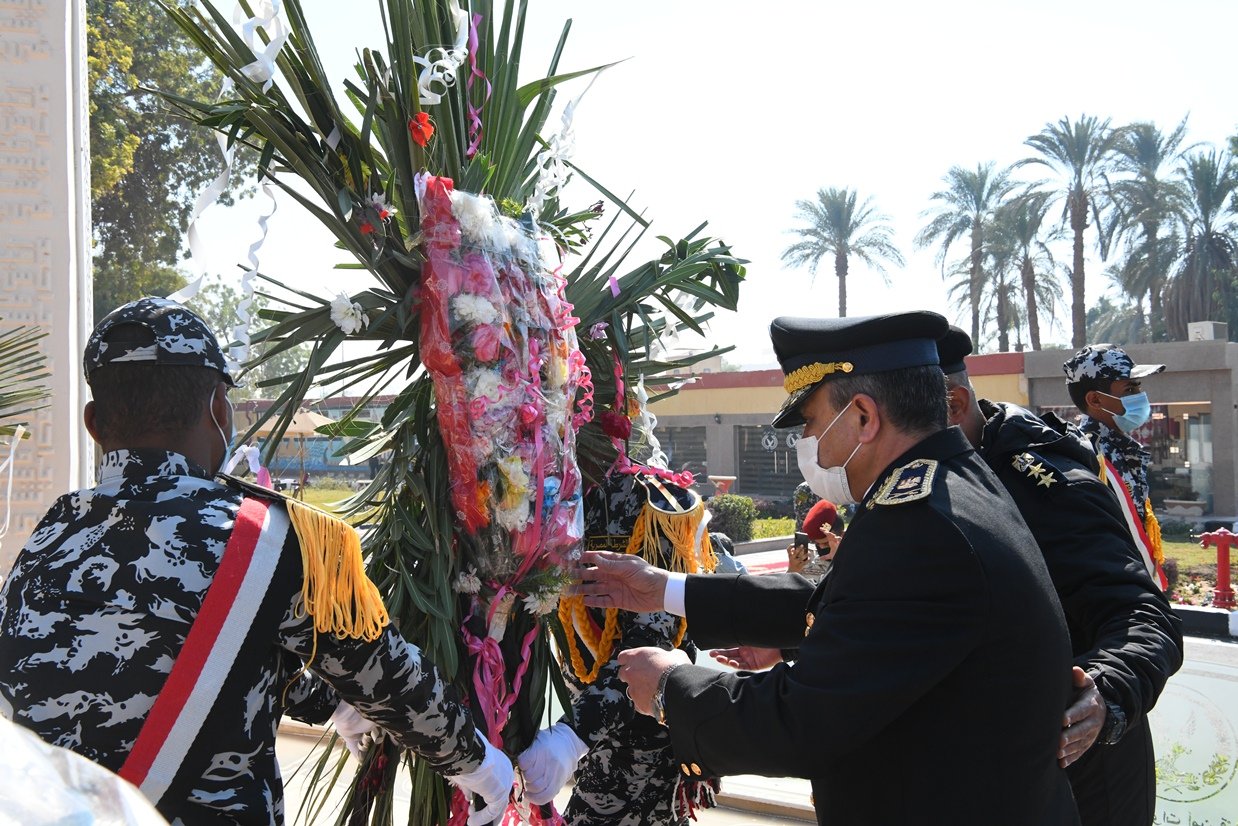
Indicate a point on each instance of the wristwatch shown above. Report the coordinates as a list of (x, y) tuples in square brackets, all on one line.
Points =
[(659, 696), (1115, 724)]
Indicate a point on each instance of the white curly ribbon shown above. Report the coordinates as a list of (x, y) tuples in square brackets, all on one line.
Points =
[(269, 17), (239, 352), (439, 66), (552, 169), (10, 464), (645, 423)]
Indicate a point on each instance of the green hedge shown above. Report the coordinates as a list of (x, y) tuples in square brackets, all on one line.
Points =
[(733, 515)]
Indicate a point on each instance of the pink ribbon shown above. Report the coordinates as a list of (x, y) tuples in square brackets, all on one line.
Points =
[(474, 112)]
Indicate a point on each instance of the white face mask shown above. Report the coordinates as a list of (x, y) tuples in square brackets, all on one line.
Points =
[(828, 483), (228, 440)]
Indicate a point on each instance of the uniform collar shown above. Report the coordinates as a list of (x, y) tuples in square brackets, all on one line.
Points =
[(139, 464), (942, 445)]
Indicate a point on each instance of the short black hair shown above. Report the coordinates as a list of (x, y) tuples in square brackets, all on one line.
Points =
[(135, 399), (1079, 390), (913, 399)]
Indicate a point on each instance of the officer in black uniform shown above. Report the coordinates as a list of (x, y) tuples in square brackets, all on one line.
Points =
[(934, 661), (1123, 631)]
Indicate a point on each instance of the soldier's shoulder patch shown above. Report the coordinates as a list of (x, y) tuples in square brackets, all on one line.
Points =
[(909, 483), (1037, 470)]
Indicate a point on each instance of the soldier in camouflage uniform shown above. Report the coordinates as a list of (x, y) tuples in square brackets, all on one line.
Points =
[(102, 597), (1103, 382), (626, 774)]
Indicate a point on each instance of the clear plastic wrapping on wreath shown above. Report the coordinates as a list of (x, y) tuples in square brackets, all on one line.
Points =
[(499, 341)]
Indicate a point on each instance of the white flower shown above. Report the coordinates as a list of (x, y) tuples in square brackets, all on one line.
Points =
[(515, 518), (477, 217), (380, 205), (348, 315), (542, 602), (467, 582), (475, 309), (484, 383), (514, 473)]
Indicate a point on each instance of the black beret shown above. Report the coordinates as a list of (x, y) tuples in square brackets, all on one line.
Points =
[(952, 348), (814, 350)]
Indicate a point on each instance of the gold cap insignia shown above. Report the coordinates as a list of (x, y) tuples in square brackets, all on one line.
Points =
[(810, 374)]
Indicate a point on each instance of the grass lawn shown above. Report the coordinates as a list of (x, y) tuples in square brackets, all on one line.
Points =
[(325, 497)]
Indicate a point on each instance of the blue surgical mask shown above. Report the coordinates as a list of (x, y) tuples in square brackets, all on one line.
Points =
[(1136, 412)]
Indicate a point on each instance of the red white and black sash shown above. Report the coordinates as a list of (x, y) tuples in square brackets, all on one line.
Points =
[(218, 661), (1134, 522)]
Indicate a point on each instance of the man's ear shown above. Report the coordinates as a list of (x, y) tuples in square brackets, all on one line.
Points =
[(870, 417), (219, 403), (88, 419), (957, 401)]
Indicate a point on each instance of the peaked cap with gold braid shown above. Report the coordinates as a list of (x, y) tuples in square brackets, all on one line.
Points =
[(635, 514)]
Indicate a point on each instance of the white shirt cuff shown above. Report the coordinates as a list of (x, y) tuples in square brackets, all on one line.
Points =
[(673, 596)]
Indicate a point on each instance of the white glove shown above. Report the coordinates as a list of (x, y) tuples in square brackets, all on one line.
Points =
[(550, 761), (353, 728), (492, 781)]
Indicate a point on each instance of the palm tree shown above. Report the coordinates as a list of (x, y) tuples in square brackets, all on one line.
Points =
[(1082, 153), (1144, 203), (837, 226), (1022, 244), (1203, 285), (966, 207)]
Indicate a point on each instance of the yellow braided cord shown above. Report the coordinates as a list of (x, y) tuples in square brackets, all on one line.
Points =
[(651, 525), (337, 594), (1153, 529)]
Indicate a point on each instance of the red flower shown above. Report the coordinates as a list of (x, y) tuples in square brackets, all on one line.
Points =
[(366, 227), (420, 128), (615, 425)]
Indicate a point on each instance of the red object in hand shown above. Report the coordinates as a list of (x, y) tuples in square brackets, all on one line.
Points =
[(820, 518), (1223, 597)]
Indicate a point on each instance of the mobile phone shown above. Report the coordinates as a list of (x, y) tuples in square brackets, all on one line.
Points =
[(801, 538)]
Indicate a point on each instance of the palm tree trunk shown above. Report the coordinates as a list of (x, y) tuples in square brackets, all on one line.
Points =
[(1078, 310), (976, 278), (1028, 272), (1156, 284), (1003, 317), (840, 270)]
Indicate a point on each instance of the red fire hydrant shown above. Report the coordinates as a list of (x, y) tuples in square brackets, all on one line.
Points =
[(1223, 597)]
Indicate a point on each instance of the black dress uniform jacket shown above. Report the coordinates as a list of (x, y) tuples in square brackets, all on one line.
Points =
[(931, 680), (1122, 628)]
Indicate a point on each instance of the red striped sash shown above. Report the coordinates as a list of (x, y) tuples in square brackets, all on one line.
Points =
[(1134, 522), (210, 650)]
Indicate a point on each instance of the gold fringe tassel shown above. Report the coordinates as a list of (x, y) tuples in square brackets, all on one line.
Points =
[(1152, 528), (652, 524), (337, 594)]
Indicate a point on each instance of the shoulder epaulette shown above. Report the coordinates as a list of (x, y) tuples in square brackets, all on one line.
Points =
[(251, 489), (1037, 470), (909, 483)]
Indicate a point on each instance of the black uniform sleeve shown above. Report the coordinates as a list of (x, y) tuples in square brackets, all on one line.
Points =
[(746, 609), (1123, 630), (883, 642)]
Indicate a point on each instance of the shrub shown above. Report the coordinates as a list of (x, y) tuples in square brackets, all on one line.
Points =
[(1177, 530), (733, 515), (774, 507)]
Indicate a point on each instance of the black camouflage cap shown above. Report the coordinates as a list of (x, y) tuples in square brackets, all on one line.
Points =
[(178, 337), (1108, 362), (952, 349), (812, 351)]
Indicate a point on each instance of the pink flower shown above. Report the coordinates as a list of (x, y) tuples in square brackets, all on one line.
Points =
[(598, 331), (486, 341), (528, 413), (479, 279)]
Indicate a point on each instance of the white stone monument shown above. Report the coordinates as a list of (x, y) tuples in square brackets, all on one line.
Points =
[(45, 241)]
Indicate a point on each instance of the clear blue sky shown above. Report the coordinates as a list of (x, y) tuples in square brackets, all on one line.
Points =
[(730, 112)]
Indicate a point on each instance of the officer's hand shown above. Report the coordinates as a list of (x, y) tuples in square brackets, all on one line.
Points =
[(550, 761), (748, 657), (609, 580), (1083, 720), (641, 668), (831, 540), (491, 781)]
